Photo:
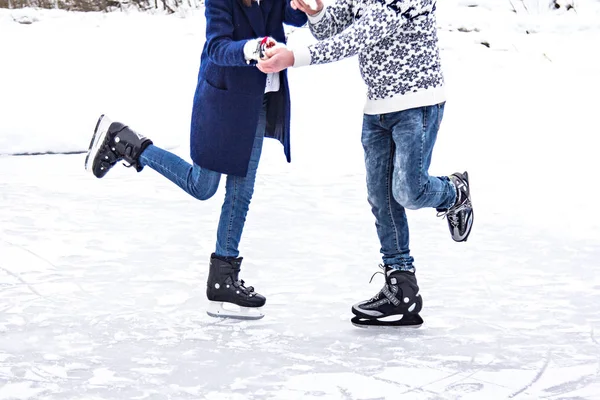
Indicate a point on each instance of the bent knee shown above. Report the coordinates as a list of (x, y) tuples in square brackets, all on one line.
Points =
[(203, 193), (202, 185), (202, 196), (409, 197)]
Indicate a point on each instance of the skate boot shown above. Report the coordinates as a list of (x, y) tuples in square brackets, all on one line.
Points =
[(227, 295), (460, 215), (111, 143), (397, 305)]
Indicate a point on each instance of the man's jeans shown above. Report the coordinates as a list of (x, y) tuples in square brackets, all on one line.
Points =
[(202, 184), (398, 149)]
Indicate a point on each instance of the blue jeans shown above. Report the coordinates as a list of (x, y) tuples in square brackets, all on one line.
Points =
[(398, 148), (202, 184)]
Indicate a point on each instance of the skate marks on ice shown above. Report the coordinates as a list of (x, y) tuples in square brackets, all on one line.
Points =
[(88, 310), (419, 382), (185, 357)]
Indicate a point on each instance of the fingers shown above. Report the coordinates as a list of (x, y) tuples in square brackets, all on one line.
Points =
[(302, 6), (279, 59), (313, 6), (265, 67), (274, 51), (273, 64), (261, 67), (305, 6), (270, 43)]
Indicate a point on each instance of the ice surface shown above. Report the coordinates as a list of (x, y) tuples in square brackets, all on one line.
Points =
[(102, 282)]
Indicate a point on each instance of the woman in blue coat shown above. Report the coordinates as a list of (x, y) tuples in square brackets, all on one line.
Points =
[(235, 107)]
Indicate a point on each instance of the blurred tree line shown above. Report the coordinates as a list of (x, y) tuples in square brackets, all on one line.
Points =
[(517, 6), (103, 5)]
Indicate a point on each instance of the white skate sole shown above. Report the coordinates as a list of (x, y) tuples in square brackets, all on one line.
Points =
[(99, 135), (394, 321), (221, 309)]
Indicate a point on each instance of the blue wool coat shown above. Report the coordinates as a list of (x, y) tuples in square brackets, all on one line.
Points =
[(229, 93)]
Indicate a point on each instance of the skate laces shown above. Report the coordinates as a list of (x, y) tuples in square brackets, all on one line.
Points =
[(378, 272), (382, 272), (452, 213)]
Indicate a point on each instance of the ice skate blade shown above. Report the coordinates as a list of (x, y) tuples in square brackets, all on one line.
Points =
[(406, 321), (97, 140), (219, 309)]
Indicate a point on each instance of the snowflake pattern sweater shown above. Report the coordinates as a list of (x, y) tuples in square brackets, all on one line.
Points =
[(397, 46)]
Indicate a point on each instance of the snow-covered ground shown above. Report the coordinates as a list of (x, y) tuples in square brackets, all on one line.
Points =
[(102, 282)]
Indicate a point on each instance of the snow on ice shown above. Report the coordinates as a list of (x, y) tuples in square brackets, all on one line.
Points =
[(102, 282)]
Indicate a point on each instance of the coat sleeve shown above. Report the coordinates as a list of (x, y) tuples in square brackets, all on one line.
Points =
[(293, 17), (221, 48)]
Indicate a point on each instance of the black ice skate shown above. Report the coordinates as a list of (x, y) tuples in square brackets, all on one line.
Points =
[(397, 305), (460, 215), (111, 143), (227, 295)]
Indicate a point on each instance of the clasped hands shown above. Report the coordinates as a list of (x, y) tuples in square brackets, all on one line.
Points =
[(277, 56)]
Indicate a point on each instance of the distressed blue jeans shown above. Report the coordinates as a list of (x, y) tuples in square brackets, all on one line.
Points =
[(398, 148), (202, 184)]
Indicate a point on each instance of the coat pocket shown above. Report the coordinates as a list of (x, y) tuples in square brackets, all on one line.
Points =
[(223, 128), (215, 86)]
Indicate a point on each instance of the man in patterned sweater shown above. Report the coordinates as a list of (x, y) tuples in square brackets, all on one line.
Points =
[(397, 46)]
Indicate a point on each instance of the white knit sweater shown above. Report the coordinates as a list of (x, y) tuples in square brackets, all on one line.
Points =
[(397, 46)]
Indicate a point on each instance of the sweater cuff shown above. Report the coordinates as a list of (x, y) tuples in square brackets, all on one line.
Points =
[(302, 56), (315, 19), (250, 50)]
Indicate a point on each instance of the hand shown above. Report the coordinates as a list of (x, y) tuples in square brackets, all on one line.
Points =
[(269, 47), (266, 44), (310, 7), (279, 58), (255, 49)]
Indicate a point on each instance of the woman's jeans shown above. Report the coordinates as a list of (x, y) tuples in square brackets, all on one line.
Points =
[(202, 184)]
